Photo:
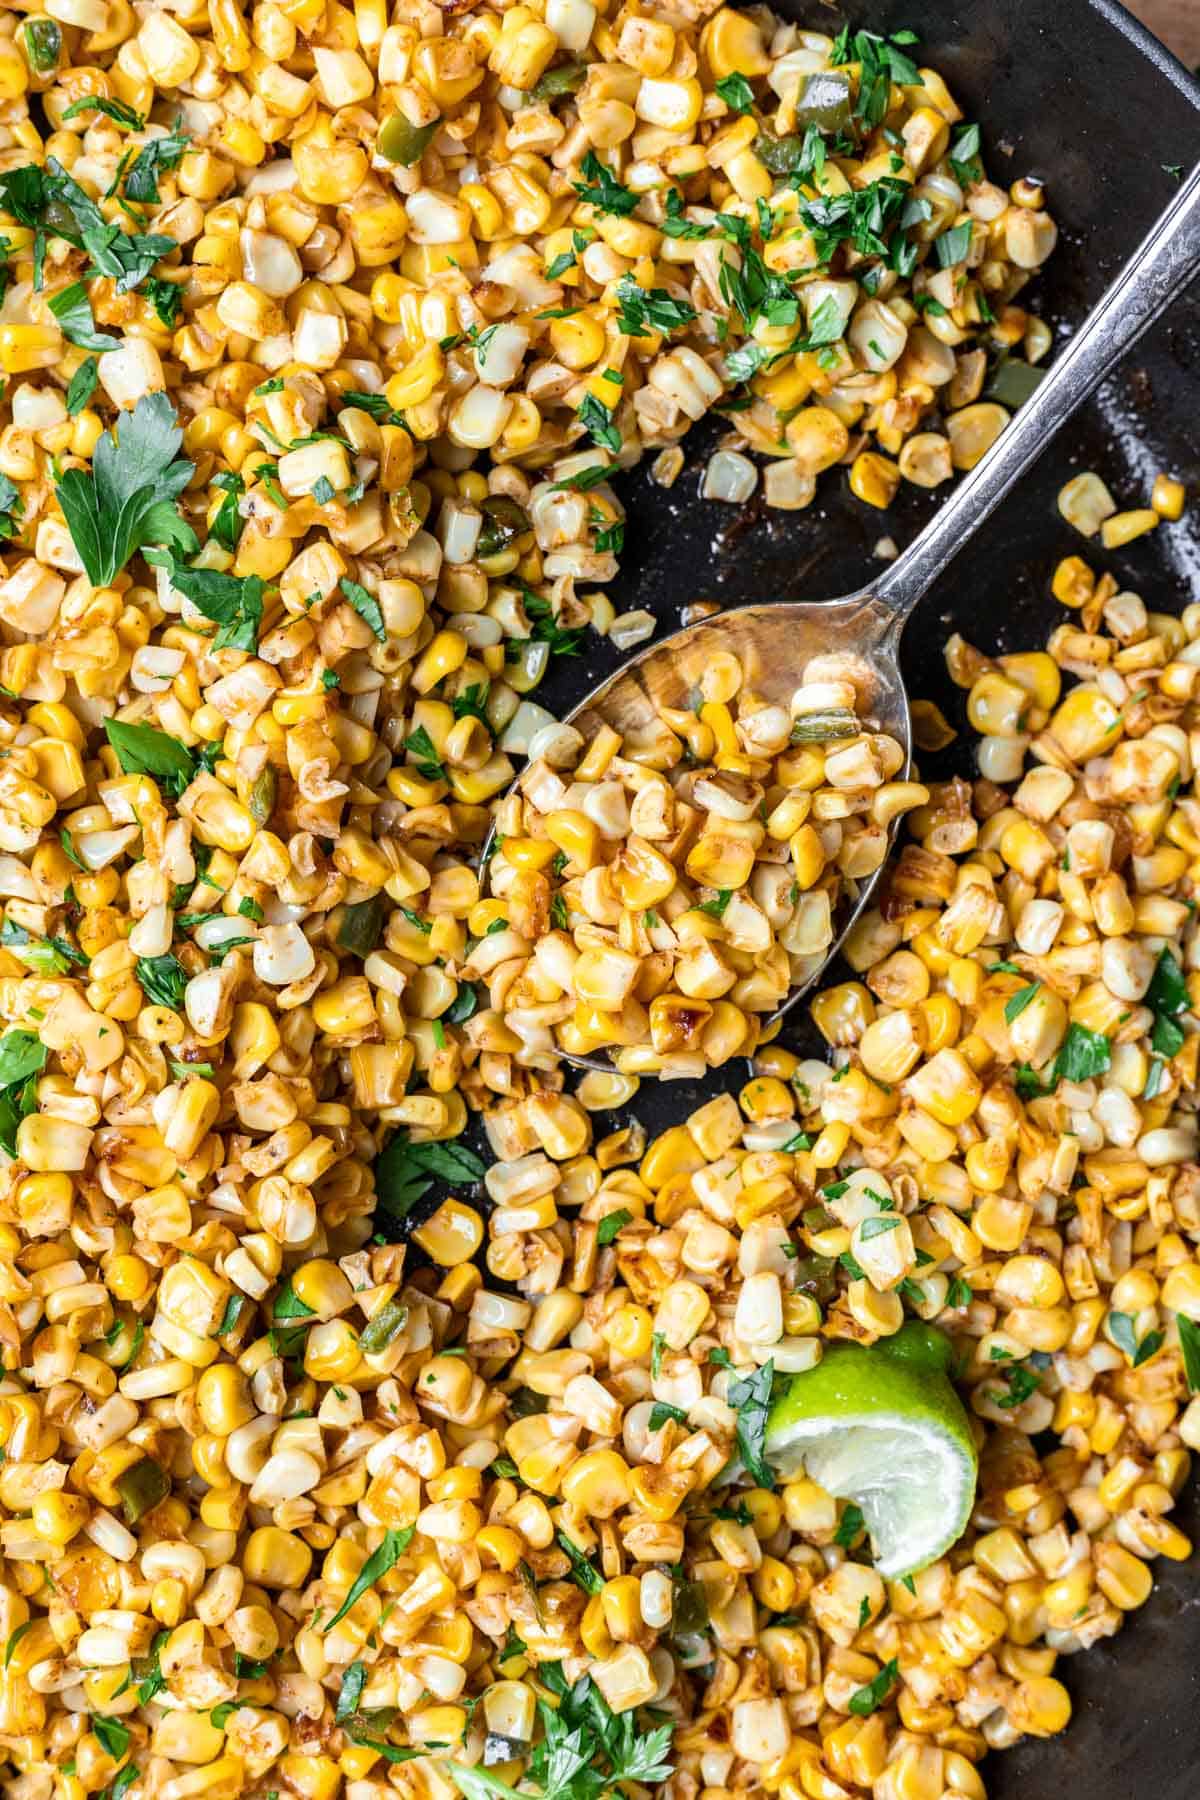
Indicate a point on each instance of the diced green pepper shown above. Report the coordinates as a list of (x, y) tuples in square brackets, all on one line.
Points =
[(400, 141), (818, 727), (263, 794), (361, 926), (814, 1275), (779, 155), (567, 78), (1013, 381), (141, 1488), (824, 101), (503, 522), (689, 1609), (383, 1327)]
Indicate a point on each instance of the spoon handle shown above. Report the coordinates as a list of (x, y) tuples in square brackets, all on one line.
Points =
[(1167, 259)]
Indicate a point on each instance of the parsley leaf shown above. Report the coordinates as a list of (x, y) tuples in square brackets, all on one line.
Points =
[(73, 310), (658, 1344), (156, 158), (586, 1574), (1015, 1006), (234, 603), (1083, 1053), (405, 1172), (227, 522), (231, 1315), (1167, 995), (583, 479), (128, 498), (644, 310), (674, 225), (849, 1526), (375, 404), (52, 203), (144, 750), (421, 748), (1189, 1344), (83, 385), (112, 1736), (471, 703), (611, 1224), (599, 422), (22, 1059), (545, 629), (751, 1398), (602, 189), (715, 908), (464, 1005), (21, 1055), (1022, 1382), (116, 110), (46, 956), (1121, 1330), (166, 297), (162, 979), (964, 155), (366, 606), (736, 92), (869, 1699), (952, 246), (376, 1566)]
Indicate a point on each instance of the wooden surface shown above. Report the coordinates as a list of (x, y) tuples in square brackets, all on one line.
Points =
[(1177, 23)]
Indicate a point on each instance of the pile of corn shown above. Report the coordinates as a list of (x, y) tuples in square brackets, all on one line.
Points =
[(524, 231), (283, 1517), (279, 1515), (665, 890)]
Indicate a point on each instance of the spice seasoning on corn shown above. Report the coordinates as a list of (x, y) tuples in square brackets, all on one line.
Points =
[(662, 893), (281, 1515)]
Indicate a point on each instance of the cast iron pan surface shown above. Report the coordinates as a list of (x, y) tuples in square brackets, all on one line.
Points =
[(1076, 92)]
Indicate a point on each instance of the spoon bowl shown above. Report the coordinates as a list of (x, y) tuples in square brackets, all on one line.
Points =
[(775, 641), (854, 638)]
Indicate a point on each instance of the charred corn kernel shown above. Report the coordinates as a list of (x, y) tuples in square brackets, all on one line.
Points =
[(874, 479)]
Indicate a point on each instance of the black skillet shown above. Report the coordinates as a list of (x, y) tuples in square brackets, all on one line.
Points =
[(1081, 95), (1077, 92)]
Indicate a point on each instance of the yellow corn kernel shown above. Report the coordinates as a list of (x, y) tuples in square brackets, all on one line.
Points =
[(25, 348), (1167, 497), (451, 1235), (874, 479), (1122, 528)]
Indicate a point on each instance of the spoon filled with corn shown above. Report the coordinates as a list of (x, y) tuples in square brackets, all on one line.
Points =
[(721, 809)]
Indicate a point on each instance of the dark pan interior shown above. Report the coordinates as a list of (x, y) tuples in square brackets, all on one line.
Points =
[(1078, 94)]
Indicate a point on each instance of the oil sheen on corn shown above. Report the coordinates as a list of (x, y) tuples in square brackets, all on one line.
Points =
[(883, 1426)]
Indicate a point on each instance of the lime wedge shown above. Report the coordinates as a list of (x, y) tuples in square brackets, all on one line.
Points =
[(883, 1426)]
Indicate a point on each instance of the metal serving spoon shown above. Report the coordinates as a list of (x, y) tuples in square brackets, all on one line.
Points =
[(775, 639)]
